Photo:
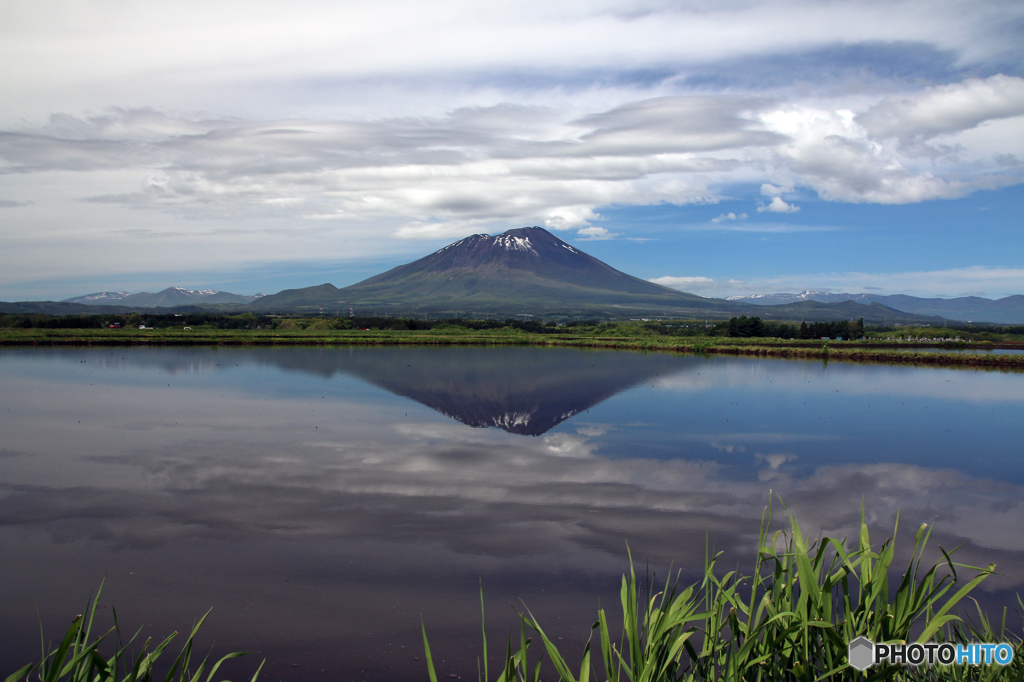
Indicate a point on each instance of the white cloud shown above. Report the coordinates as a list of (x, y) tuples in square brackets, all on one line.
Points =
[(728, 216), (944, 109), (777, 205), (569, 217), (590, 233), (213, 56), (448, 230), (683, 282), (770, 190)]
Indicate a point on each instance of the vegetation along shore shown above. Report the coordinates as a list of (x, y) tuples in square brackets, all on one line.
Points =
[(790, 618), (738, 336)]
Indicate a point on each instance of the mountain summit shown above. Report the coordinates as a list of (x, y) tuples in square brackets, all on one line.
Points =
[(525, 270), (529, 258)]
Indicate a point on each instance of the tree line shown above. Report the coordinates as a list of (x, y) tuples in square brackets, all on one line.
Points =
[(742, 326)]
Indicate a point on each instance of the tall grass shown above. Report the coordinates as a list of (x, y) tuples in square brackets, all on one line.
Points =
[(78, 659), (790, 619)]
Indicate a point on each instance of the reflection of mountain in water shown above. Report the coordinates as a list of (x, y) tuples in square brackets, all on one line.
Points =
[(521, 390)]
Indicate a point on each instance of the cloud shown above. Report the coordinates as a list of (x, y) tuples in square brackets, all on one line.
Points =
[(728, 216), (448, 230), (996, 281), (123, 55), (770, 190), (398, 123), (592, 233), (682, 282), (777, 205), (944, 109)]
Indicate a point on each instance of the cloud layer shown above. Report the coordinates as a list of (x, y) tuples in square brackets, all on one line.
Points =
[(332, 129)]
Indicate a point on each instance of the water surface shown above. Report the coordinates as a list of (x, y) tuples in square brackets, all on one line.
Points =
[(321, 499)]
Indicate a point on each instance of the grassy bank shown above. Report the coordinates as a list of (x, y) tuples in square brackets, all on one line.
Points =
[(79, 656), (855, 351), (790, 619)]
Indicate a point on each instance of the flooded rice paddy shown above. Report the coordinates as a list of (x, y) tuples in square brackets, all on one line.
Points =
[(321, 500)]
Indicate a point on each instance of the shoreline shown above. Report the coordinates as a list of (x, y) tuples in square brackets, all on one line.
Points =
[(886, 353)]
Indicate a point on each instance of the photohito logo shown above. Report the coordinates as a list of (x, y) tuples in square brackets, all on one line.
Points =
[(863, 653)]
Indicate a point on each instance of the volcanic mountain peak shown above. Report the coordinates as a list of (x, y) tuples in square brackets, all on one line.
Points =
[(526, 270), (525, 239)]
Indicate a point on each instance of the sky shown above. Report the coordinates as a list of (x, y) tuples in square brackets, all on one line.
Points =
[(723, 148)]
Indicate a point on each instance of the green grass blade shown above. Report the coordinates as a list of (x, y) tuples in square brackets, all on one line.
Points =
[(426, 653)]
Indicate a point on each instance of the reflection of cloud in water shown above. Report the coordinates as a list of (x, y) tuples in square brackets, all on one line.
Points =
[(594, 429), (504, 497), (805, 377)]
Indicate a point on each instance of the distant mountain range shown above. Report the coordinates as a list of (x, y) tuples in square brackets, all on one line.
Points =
[(168, 298), (1009, 310), (530, 272)]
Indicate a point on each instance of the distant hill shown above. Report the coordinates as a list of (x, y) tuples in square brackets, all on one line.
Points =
[(64, 308), (873, 313), (1008, 310), (168, 298)]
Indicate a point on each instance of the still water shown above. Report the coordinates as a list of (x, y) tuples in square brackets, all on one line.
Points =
[(321, 500)]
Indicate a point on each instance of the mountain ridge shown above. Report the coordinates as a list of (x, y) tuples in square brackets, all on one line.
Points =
[(167, 298), (524, 271), (1006, 310)]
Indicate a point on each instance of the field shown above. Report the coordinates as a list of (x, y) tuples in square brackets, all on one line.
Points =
[(624, 336)]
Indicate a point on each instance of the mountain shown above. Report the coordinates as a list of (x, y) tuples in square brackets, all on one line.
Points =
[(1008, 310), (526, 271), (99, 298), (168, 298), (873, 313), (529, 271), (523, 271)]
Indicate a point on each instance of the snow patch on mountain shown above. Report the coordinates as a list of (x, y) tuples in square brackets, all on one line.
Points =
[(512, 243), (99, 296)]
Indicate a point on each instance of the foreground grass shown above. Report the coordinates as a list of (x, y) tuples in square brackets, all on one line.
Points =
[(78, 659), (790, 619), (858, 351)]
